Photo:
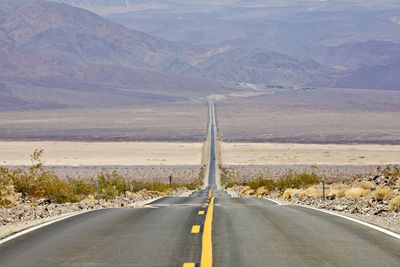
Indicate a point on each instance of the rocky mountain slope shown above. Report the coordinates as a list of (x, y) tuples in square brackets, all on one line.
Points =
[(52, 53), (55, 49)]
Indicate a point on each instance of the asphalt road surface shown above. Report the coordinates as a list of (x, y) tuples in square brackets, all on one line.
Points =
[(173, 231)]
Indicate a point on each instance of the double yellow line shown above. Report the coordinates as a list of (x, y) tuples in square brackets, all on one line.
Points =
[(206, 249)]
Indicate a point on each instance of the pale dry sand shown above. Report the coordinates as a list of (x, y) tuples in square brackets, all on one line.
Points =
[(102, 153), (308, 154)]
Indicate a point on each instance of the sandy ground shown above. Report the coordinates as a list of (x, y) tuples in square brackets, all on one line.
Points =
[(103, 153), (308, 154)]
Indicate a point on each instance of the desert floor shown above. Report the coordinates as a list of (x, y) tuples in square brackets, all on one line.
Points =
[(59, 153), (325, 116), (308, 154), (103, 153)]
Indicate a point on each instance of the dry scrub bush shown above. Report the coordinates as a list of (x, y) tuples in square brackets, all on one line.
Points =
[(312, 191), (290, 193), (261, 191), (164, 187), (293, 179), (290, 179), (8, 196), (381, 193), (37, 182), (357, 192), (244, 189), (111, 184), (337, 190), (261, 182), (394, 204), (363, 184)]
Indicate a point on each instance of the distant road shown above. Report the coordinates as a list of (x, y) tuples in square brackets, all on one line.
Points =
[(204, 230)]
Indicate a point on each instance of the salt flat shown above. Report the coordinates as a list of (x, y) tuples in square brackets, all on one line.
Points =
[(309, 154), (102, 153)]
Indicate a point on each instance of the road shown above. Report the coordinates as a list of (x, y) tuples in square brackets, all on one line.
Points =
[(204, 229)]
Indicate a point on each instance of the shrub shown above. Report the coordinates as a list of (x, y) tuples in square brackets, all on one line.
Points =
[(245, 189), (37, 182), (290, 193), (382, 193), (111, 184), (357, 192), (337, 190), (312, 191), (82, 187), (8, 196), (261, 191), (292, 179), (268, 184), (363, 184), (394, 204)]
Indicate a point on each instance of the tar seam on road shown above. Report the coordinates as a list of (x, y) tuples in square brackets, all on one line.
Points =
[(206, 249)]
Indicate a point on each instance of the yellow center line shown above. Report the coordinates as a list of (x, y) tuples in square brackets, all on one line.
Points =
[(189, 264), (195, 229), (206, 252), (201, 212)]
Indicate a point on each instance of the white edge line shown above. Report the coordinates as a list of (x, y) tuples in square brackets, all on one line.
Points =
[(377, 228), (41, 225), (33, 228), (275, 201)]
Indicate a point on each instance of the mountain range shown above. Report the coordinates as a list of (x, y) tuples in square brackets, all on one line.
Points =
[(56, 54)]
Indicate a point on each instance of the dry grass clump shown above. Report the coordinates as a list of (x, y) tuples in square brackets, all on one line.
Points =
[(290, 193), (290, 179), (381, 193), (247, 191), (244, 189), (337, 190), (293, 179), (8, 196), (261, 191), (37, 182), (357, 192), (363, 184), (312, 191), (394, 204)]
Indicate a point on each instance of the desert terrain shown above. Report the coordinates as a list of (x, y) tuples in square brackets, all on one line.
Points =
[(309, 154), (327, 116), (103, 153), (181, 121)]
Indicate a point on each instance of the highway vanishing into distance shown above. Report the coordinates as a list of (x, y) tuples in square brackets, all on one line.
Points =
[(208, 228)]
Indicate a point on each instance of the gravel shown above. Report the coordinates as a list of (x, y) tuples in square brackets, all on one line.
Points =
[(27, 213)]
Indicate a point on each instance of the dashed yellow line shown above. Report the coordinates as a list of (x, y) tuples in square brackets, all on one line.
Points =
[(189, 264), (195, 229), (206, 252), (201, 212)]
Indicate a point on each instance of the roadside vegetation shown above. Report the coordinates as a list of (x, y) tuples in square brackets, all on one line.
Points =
[(290, 179), (37, 182), (383, 188)]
